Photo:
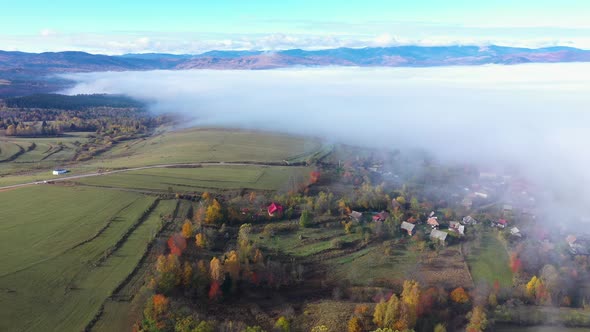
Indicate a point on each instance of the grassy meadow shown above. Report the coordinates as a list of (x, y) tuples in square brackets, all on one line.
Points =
[(207, 178), (202, 145), (490, 262), (64, 255)]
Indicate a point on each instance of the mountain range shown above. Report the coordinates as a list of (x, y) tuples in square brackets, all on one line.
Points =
[(21, 72)]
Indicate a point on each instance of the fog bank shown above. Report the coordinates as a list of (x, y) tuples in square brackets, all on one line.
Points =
[(534, 116)]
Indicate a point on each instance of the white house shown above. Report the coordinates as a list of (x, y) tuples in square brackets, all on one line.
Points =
[(60, 171)]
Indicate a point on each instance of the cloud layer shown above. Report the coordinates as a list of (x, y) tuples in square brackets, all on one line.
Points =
[(534, 116)]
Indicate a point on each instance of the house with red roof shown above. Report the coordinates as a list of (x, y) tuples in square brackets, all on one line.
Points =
[(275, 209)]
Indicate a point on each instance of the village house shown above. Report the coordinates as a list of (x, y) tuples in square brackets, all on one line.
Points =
[(433, 222), (578, 247), (469, 220), (356, 216), (275, 209), (500, 223), (456, 227), (406, 226), (381, 216), (514, 231), (437, 235)]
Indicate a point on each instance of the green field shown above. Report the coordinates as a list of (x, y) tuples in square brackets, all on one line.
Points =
[(66, 247), (208, 178), (39, 155), (490, 262), (368, 265), (199, 145), (60, 262), (8, 150)]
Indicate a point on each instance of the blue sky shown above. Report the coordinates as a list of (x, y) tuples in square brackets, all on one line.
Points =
[(194, 26)]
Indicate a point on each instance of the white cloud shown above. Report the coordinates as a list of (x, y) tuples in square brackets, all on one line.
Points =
[(47, 33), (141, 42), (531, 116)]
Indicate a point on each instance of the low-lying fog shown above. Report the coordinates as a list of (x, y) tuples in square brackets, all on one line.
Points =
[(535, 116)]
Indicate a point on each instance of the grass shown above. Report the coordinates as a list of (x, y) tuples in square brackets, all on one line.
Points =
[(41, 153), (200, 145), (368, 265), (8, 150), (51, 274), (204, 178), (490, 262)]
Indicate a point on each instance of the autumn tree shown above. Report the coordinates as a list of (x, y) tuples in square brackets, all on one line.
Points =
[(155, 312), (176, 244), (387, 313), (459, 295), (187, 274), (201, 240), (187, 229), (282, 324), (440, 328), (244, 243), (232, 267), (216, 270), (536, 291), (169, 273), (355, 324), (199, 214), (477, 320), (314, 177), (410, 300), (214, 213)]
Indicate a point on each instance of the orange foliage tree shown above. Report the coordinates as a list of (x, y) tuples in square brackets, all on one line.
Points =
[(314, 177), (459, 295), (177, 244), (161, 303)]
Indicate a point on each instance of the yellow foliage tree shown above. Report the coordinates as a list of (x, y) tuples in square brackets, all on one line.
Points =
[(531, 286), (187, 229), (355, 325), (215, 269), (187, 274), (213, 214), (386, 314), (410, 299), (200, 240), (232, 266), (477, 320)]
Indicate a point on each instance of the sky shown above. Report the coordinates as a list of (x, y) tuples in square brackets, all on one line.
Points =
[(176, 26)]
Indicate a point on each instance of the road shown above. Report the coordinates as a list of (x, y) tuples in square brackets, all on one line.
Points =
[(80, 176)]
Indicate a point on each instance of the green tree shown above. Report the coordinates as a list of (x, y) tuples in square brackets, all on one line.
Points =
[(305, 219), (283, 325), (440, 328)]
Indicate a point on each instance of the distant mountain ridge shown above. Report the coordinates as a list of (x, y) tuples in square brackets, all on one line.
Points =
[(420, 56), (23, 73)]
